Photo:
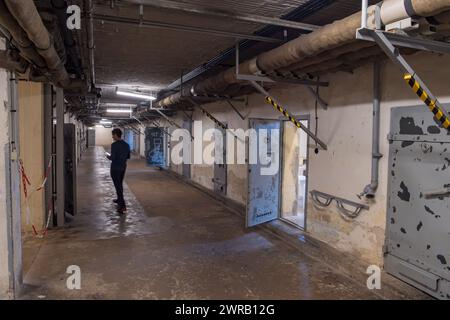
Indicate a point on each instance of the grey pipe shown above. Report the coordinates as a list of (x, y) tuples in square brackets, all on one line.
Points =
[(19, 37), (27, 16), (371, 189), (328, 38), (91, 43)]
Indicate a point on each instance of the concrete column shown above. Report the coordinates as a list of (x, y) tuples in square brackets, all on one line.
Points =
[(10, 222)]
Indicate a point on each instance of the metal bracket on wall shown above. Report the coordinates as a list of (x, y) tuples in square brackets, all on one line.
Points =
[(212, 118), (388, 41), (324, 200), (236, 110), (285, 113)]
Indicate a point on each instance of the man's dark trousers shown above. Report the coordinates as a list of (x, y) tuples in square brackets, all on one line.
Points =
[(117, 177)]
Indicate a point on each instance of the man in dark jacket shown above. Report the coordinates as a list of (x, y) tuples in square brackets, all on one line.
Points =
[(120, 153)]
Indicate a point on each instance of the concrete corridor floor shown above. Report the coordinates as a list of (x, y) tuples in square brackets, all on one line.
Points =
[(175, 242)]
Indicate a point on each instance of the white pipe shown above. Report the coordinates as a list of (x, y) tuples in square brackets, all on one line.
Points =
[(393, 10), (364, 8)]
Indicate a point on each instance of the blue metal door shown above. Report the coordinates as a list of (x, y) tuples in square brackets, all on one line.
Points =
[(129, 138), (263, 201), (154, 147)]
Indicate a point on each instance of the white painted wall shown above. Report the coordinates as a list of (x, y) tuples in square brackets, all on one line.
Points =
[(103, 137), (346, 127)]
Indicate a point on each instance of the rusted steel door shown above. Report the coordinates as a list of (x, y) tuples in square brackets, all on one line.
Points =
[(417, 246)]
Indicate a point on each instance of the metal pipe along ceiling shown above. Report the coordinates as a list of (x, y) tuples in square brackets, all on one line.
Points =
[(29, 31), (335, 36), (19, 36)]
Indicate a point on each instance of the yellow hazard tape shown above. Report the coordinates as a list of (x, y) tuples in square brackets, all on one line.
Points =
[(432, 104), (285, 113), (220, 124)]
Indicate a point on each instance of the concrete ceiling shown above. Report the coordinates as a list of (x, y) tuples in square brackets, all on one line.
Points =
[(149, 58)]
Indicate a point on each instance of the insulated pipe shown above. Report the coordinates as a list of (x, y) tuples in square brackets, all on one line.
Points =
[(337, 61), (396, 10), (371, 189), (330, 37), (28, 18), (19, 36), (327, 56)]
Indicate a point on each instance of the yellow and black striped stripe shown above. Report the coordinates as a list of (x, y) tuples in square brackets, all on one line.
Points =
[(283, 111), (220, 124), (439, 114)]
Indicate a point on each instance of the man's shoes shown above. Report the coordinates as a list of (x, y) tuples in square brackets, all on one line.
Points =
[(116, 200), (122, 210)]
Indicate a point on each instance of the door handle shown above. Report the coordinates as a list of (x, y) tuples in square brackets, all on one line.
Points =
[(438, 193)]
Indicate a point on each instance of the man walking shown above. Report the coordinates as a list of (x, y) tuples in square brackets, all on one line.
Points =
[(120, 153)]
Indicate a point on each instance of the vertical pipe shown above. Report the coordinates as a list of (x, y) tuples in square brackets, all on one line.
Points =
[(364, 7), (371, 189), (376, 124), (91, 41), (60, 174)]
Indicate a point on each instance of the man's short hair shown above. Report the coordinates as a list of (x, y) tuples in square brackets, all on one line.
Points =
[(117, 132)]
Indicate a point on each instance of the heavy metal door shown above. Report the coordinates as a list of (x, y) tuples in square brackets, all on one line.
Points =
[(220, 167), (263, 199), (129, 138), (417, 248), (154, 147), (70, 173), (90, 138)]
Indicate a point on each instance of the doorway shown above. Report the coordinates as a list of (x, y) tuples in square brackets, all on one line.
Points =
[(294, 173), (129, 138), (220, 167), (154, 147), (263, 200), (186, 170)]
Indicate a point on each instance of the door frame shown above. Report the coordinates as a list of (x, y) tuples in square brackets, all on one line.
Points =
[(186, 169), (280, 168), (283, 120), (225, 152)]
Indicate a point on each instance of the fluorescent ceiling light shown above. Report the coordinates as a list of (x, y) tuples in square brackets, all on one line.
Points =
[(117, 104), (99, 126), (138, 95), (119, 110), (105, 122)]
